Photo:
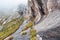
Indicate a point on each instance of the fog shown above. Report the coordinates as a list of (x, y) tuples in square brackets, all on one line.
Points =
[(10, 5)]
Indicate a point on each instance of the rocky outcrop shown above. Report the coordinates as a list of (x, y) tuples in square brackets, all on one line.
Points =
[(51, 5), (35, 10), (50, 26)]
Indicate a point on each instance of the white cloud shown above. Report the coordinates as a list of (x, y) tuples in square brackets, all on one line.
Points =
[(11, 3)]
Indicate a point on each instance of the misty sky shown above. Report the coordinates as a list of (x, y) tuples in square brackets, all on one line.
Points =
[(11, 3), (6, 5)]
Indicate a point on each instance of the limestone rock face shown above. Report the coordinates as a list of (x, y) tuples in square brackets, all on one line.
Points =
[(44, 6), (58, 1), (50, 26), (51, 4), (35, 10)]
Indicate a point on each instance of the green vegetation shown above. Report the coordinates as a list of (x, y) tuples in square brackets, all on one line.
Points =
[(10, 27), (33, 34), (24, 33), (29, 24), (32, 31), (33, 38)]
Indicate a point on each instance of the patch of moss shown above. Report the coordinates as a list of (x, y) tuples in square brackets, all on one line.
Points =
[(24, 33), (29, 24), (10, 27), (33, 34), (32, 31), (33, 38)]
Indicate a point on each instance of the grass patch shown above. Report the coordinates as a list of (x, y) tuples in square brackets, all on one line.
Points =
[(33, 34), (29, 24), (24, 33), (32, 31), (10, 27)]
